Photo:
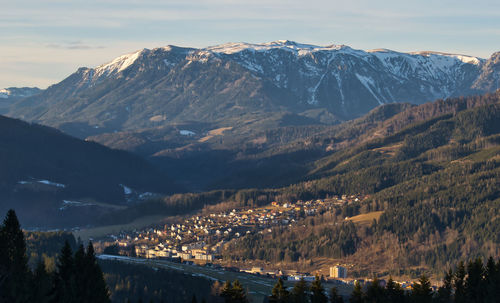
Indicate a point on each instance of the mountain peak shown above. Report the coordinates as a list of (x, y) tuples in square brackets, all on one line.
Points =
[(119, 64)]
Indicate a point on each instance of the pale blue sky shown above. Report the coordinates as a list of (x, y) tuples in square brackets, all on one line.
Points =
[(42, 42)]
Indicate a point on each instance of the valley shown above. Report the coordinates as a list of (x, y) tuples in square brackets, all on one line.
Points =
[(281, 158)]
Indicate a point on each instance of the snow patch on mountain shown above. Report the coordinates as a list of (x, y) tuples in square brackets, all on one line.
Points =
[(186, 132), (298, 48), (370, 85), (119, 64), (168, 63), (126, 190), (46, 182), (67, 204)]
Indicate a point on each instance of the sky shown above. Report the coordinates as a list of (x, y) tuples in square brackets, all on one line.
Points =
[(43, 42)]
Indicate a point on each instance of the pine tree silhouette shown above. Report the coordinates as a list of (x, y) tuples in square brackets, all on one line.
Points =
[(317, 291), (334, 296), (41, 285), (98, 290), (299, 292), (357, 295), (279, 293), (14, 272), (422, 291)]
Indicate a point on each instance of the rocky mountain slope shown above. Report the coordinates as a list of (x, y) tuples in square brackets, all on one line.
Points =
[(238, 82)]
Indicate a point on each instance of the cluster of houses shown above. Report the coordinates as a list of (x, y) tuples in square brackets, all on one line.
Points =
[(163, 252), (203, 237)]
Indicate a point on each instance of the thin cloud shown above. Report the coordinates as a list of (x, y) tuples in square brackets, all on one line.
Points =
[(73, 45)]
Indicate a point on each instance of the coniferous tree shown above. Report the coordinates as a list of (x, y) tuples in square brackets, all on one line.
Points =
[(216, 290), (64, 279), (334, 296), (98, 290), (299, 292), (444, 293), (394, 292), (492, 281), (279, 293), (357, 295), (459, 283), (317, 291), (239, 293), (227, 292), (80, 272), (422, 291), (234, 293), (375, 293), (4, 262), (14, 282), (41, 286), (474, 285)]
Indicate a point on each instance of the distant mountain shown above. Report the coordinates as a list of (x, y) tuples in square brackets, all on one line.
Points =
[(11, 94), (489, 78), (18, 92), (239, 82), (52, 179)]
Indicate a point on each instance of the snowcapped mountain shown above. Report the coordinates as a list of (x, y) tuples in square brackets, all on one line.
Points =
[(331, 75), (9, 95), (173, 84)]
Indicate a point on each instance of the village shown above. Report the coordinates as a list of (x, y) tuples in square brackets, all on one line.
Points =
[(200, 239)]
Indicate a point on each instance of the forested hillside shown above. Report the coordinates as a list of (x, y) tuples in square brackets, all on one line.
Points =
[(53, 179), (434, 171), (437, 182)]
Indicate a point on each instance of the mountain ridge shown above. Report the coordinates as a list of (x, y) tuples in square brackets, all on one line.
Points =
[(149, 88)]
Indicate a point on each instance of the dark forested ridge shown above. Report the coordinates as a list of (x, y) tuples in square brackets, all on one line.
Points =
[(42, 167), (278, 149)]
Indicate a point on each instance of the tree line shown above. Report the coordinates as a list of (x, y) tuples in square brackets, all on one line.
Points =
[(473, 282), (76, 279)]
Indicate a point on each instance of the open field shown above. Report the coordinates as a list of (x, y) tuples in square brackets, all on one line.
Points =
[(366, 219), (101, 231), (214, 132)]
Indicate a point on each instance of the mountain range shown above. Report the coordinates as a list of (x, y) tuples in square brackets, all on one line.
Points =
[(9, 95), (232, 116), (237, 82), (222, 116)]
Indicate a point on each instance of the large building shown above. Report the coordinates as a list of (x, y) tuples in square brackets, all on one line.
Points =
[(338, 272)]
